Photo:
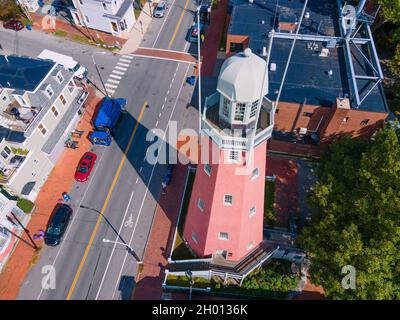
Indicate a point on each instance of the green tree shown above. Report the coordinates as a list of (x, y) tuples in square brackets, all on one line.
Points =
[(9, 9), (358, 222)]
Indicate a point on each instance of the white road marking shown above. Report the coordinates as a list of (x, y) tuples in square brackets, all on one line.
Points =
[(163, 106), (111, 85), (137, 179), (113, 81), (74, 218), (148, 184), (115, 76), (141, 168), (157, 123), (159, 115), (123, 64), (127, 57), (110, 90), (129, 223), (121, 68), (118, 72), (163, 58), (125, 60), (115, 244)]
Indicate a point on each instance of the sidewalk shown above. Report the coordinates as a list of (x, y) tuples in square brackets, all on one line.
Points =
[(60, 180), (159, 244), (139, 29)]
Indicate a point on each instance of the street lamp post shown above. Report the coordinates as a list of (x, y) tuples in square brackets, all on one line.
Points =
[(98, 72), (118, 242)]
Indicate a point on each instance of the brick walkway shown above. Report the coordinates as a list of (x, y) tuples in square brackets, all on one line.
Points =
[(60, 180), (165, 55), (213, 38), (286, 188), (72, 30), (160, 240)]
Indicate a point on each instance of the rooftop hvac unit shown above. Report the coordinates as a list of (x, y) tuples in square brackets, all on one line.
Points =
[(264, 51), (307, 15), (272, 67), (324, 52), (251, 1), (302, 130)]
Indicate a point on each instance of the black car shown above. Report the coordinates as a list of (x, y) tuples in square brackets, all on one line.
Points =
[(57, 225)]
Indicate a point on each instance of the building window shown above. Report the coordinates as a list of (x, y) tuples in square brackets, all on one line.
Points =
[(49, 91), (254, 173), (200, 204), (307, 114), (345, 120), (87, 19), (60, 77), (71, 87), (4, 98), (42, 129), (364, 122), (223, 236), (240, 109), (234, 155), (225, 107), (228, 200), (55, 111), (207, 169), (104, 6), (62, 99), (81, 2), (6, 152), (195, 238), (235, 47), (252, 211), (114, 26), (253, 110)]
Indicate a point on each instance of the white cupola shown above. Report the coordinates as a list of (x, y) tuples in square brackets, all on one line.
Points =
[(240, 83)]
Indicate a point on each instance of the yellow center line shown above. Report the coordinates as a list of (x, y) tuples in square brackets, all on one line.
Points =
[(103, 209), (178, 25)]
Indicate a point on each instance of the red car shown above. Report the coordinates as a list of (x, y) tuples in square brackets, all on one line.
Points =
[(13, 24), (85, 166)]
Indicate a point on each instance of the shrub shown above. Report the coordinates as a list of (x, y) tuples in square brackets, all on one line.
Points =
[(25, 205)]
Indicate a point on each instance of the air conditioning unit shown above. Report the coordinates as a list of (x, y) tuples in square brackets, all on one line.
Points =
[(324, 52), (302, 130), (272, 67)]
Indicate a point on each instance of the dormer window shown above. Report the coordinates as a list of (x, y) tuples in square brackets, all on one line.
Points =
[(49, 91), (59, 77), (225, 107), (104, 6)]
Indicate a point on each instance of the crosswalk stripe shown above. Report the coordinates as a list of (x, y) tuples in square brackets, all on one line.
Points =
[(113, 80), (123, 64), (121, 68), (125, 60), (111, 85), (127, 57), (118, 72), (110, 90), (115, 76)]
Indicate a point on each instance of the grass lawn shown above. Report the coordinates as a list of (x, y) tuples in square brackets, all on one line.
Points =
[(269, 200), (183, 281), (25, 205), (180, 252)]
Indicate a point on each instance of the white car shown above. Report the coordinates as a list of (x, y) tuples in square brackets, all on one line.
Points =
[(159, 11)]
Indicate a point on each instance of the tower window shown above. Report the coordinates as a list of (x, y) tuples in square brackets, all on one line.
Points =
[(225, 107), (223, 236), (200, 204), (42, 129), (234, 155), (254, 173), (228, 199), (49, 91), (60, 77), (195, 238), (252, 211), (307, 114), (239, 111), (253, 110), (207, 169)]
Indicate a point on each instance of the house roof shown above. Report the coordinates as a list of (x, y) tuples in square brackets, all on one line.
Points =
[(318, 79), (23, 73)]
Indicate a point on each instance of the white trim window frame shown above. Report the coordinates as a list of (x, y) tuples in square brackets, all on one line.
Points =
[(43, 127), (49, 91), (223, 235), (60, 77), (228, 200)]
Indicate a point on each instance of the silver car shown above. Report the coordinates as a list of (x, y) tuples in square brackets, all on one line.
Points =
[(159, 11)]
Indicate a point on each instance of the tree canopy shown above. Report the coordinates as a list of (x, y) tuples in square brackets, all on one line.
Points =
[(357, 197), (9, 9)]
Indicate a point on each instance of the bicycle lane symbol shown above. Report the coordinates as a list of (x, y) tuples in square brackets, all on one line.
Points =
[(129, 222)]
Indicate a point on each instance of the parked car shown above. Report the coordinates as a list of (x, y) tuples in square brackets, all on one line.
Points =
[(159, 11), (57, 225), (85, 166), (168, 176), (13, 25)]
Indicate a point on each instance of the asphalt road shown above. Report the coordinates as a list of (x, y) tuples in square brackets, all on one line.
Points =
[(119, 200)]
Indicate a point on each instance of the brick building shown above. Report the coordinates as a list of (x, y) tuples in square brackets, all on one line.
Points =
[(333, 83)]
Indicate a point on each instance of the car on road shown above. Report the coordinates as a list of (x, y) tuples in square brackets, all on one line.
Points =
[(85, 166), (159, 11), (57, 225), (168, 176), (13, 25)]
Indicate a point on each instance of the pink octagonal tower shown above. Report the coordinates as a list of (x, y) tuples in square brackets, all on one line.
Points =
[(225, 214)]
